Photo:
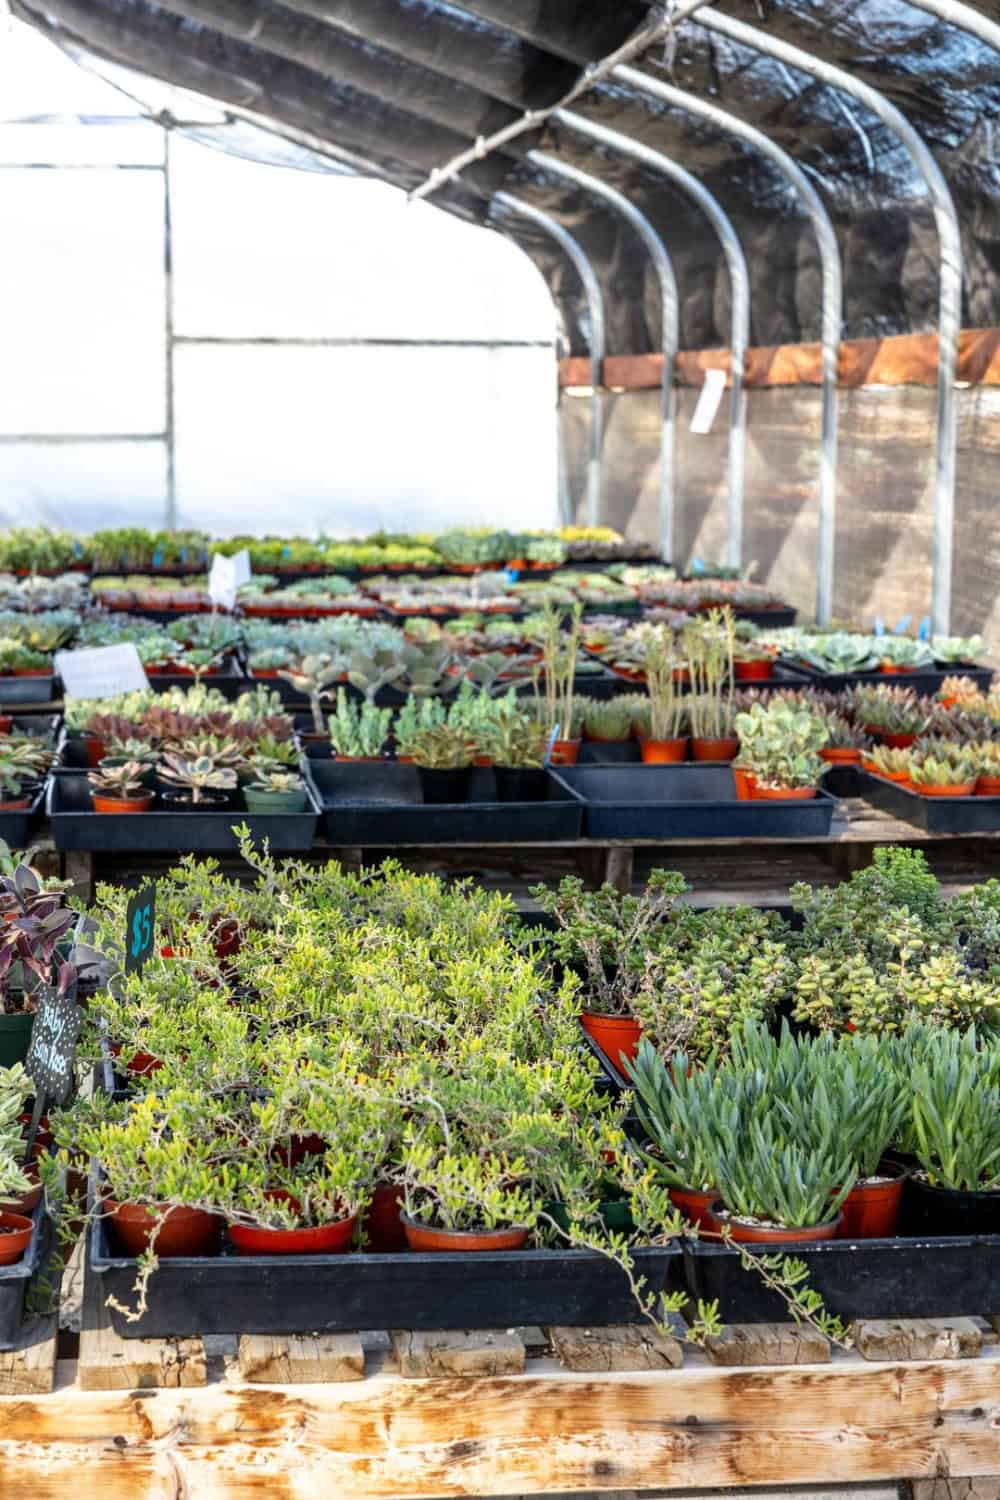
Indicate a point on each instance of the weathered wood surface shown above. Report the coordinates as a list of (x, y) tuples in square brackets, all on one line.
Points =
[(469, 1354), (544, 1432), (918, 1338), (768, 1344), (631, 1347), (301, 1359), (29, 1369)]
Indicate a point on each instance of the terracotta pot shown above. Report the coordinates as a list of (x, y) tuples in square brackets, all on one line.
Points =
[(32, 671), (963, 789), (694, 1204), (20, 804), (726, 748), (185, 1231), (482, 761), (95, 749), (901, 778), (782, 793), (614, 1035), (27, 1200), (894, 741), (753, 671), (890, 669), (383, 1224), (871, 1209), (988, 786), (663, 752), (746, 784), (841, 755), (6, 723), (324, 1239), (768, 1234), (564, 752), (122, 804), (15, 1236), (423, 1237)]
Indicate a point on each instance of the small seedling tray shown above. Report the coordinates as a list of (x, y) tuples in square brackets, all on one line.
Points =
[(341, 1293), (383, 804), (933, 814), (892, 1278), (925, 682), (16, 690), (686, 802), (15, 1279), (75, 825)]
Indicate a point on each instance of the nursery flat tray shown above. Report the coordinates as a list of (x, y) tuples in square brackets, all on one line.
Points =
[(15, 690), (76, 826), (925, 682), (230, 682), (933, 814), (686, 801), (894, 1278), (15, 826), (342, 1293), (383, 804), (15, 1279)]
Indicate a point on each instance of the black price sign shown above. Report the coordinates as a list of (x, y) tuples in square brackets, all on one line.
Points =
[(52, 1050), (140, 928)]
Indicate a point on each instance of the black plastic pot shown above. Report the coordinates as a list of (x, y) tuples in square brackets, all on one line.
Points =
[(337, 1293), (445, 786), (930, 1210), (609, 753), (520, 783), (686, 802), (935, 814), (177, 801)]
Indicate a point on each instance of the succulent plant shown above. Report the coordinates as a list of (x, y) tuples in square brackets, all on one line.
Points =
[(123, 782), (888, 710), (358, 730), (196, 777), (903, 651), (957, 648), (610, 720), (931, 770), (442, 748), (780, 744)]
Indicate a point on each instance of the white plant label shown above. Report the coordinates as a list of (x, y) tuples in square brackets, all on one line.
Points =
[(709, 402), (101, 672), (226, 578)]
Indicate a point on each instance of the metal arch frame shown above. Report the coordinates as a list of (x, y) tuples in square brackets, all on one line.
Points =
[(950, 245), (670, 321), (740, 280), (832, 305), (598, 336)]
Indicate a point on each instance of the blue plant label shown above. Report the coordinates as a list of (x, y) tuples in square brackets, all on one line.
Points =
[(552, 739), (924, 633), (140, 928), (51, 1056), (158, 558), (903, 625), (697, 566), (511, 575), (879, 627)]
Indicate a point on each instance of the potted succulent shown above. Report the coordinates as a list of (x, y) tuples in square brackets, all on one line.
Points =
[(845, 743), (676, 1105), (893, 715), (987, 759), (517, 744), (752, 661), (898, 653), (853, 1084), (358, 731), (444, 758), (780, 748), (940, 776), (709, 646), (956, 1132), (774, 1190), (199, 785), (609, 722), (275, 792), (120, 789), (661, 731), (463, 1200), (36, 922), (18, 787), (314, 679), (555, 682), (894, 765), (957, 650)]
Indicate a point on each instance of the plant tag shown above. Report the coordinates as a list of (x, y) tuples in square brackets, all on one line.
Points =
[(222, 584), (552, 739), (709, 402), (101, 671), (140, 928), (52, 1050), (903, 625), (879, 627), (924, 633)]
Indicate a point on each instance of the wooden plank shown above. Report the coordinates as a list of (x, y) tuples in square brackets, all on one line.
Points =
[(29, 1369), (768, 1344), (629, 1347), (470, 1354), (110, 1363), (918, 1338), (301, 1359), (986, 1487), (620, 870)]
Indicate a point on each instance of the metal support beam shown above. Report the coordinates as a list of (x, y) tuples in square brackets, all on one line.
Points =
[(739, 277), (670, 321), (950, 243), (598, 342), (832, 310)]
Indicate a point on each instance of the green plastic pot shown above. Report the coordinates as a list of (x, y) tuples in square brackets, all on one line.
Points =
[(615, 1215), (15, 1036), (275, 802)]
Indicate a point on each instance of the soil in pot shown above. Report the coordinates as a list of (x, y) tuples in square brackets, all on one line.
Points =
[(726, 748), (520, 783), (782, 793), (564, 752), (942, 1211), (183, 802), (383, 1223), (15, 1037), (423, 1237), (743, 1232), (871, 1209), (15, 1236), (694, 1204), (274, 802), (122, 805), (445, 786), (663, 752), (184, 1231), (614, 1035)]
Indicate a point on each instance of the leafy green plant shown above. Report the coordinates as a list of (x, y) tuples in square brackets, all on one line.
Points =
[(610, 720), (780, 744), (358, 731), (956, 1113), (441, 748)]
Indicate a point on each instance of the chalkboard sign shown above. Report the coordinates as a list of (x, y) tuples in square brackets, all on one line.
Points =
[(52, 1050), (140, 928)]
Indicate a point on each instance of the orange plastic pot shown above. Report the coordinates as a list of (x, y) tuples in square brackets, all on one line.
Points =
[(422, 1237), (890, 669), (184, 1231), (118, 805), (720, 749), (894, 741), (19, 805), (782, 793), (746, 784), (95, 748), (663, 752), (6, 723), (15, 1236), (324, 1239), (988, 786), (383, 1223), (841, 755), (963, 789), (871, 1209), (694, 1204), (767, 1234), (615, 1035), (564, 752), (753, 671), (24, 1202)]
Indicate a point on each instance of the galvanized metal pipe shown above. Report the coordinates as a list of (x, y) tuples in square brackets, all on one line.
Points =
[(832, 304), (739, 277), (669, 321), (950, 243), (598, 337)]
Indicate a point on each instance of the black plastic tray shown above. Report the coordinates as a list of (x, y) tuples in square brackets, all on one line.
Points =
[(933, 814), (686, 802), (925, 682), (230, 682), (76, 826), (15, 690), (14, 1280), (382, 804), (893, 1278), (609, 753), (844, 781), (340, 1293), (15, 826)]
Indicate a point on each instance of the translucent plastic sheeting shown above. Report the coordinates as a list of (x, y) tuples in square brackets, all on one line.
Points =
[(83, 486)]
